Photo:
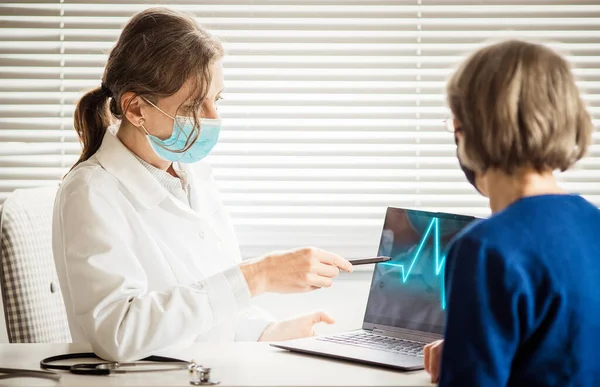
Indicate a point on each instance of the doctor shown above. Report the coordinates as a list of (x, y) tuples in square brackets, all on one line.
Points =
[(145, 252)]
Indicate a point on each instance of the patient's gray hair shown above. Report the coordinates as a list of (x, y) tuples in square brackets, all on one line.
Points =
[(518, 106)]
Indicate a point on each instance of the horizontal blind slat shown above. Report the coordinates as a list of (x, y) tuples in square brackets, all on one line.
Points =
[(333, 108)]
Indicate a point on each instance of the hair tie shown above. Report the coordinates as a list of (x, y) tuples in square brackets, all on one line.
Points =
[(106, 90)]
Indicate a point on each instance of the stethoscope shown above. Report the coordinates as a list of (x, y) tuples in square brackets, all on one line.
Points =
[(199, 375), (10, 373)]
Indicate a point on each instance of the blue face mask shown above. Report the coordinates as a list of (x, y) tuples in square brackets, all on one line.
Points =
[(170, 149)]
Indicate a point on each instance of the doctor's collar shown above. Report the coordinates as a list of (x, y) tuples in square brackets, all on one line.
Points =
[(116, 159)]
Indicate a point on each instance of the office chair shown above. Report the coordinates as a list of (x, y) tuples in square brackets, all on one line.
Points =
[(34, 310)]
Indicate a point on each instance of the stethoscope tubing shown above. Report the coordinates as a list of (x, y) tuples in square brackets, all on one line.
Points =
[(18, 373), (108, 368)]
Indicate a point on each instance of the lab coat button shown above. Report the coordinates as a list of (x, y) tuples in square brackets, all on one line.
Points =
[(201, 234)]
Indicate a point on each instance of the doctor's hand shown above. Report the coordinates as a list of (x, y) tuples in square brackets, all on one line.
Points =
[(296, 328), (433, 358), (293, 271)]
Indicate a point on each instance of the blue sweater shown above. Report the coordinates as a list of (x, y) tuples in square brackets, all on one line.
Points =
[(523, 297)]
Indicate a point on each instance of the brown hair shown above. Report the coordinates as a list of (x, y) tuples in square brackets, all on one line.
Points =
[(518, 106), (157, 52)]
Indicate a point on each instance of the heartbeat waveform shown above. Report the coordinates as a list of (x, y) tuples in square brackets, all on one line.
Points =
[(439, 261)]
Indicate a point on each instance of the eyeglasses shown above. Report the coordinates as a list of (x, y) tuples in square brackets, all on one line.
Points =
[(450, 125)]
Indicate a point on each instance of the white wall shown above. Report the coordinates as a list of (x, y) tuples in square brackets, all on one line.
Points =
[(345, 301)]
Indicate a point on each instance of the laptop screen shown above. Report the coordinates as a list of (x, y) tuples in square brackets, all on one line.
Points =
[(408, 291)]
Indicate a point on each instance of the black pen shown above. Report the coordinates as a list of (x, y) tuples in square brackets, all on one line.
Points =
[(366, 261)]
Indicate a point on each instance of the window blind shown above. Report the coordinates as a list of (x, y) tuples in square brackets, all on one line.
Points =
[(333, 109)]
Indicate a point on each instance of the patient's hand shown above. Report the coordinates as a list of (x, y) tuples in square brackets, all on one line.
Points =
[(433, 358), (296, 328)]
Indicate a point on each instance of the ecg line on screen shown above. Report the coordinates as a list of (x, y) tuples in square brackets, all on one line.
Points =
[(440, 260)]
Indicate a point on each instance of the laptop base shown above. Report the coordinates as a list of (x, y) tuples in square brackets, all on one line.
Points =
[(312, 346)]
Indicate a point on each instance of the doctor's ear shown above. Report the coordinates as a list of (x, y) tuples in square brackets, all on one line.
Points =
[(131, 106)]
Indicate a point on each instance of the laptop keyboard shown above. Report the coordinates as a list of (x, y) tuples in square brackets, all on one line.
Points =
[(378, 342)]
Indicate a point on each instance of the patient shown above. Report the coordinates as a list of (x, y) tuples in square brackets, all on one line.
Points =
[(523, 304)]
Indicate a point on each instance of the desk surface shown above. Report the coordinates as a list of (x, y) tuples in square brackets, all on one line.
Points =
[(234, 364)]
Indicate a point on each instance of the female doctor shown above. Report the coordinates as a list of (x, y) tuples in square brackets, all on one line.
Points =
[(145, 252)]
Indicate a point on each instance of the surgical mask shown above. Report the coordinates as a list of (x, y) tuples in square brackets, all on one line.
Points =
[(170, 149), (469, 173)]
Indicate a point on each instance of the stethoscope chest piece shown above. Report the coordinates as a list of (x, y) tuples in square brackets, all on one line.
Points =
[(200, 376)]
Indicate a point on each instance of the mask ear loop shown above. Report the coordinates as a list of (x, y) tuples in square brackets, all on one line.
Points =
[(148, 135), (141, 124), (160, 110)]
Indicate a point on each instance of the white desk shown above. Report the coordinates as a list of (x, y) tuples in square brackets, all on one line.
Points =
[(234, 364)]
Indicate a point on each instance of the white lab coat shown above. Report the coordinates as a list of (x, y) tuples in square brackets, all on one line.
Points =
[(142, 272)]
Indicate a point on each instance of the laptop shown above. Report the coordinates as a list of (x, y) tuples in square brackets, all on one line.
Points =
[(406, 304)]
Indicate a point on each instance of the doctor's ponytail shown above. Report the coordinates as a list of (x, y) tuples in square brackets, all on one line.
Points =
[(91, 119)]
